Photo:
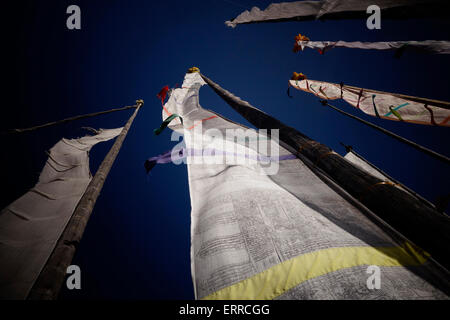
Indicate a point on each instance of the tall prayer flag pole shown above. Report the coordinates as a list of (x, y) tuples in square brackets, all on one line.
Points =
[(51, 278), (415, 220)]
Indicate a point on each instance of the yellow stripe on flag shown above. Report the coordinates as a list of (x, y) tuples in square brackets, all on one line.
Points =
[(284, 276)]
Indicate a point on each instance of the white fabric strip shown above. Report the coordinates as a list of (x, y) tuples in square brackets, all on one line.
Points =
[(430, 46), (31, 225), (307, 10), (247, 217), (378, 104)]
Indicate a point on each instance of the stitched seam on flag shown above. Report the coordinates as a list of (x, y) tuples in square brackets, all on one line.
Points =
[(314, 92), (323, 92), (386, 116), (444, 122), (396, 108), (284, 276), (374, 106), (167, 111)]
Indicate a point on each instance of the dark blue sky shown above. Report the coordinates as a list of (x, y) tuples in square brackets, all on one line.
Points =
[(136, 245)]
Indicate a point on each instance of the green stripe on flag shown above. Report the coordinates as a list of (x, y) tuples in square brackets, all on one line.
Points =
[(166, 122)]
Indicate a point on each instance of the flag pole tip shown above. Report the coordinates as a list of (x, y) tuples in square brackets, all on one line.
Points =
[(193, 69)]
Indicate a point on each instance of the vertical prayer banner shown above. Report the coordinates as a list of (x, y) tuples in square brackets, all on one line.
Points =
[(261, 233), (31, 225)]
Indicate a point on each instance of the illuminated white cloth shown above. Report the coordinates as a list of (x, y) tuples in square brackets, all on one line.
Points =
[(31, 225)]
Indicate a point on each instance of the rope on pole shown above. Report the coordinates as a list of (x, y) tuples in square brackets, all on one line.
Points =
[(51, 278), (53, 123)]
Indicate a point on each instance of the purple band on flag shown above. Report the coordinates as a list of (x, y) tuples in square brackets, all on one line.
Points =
[(166, 157)]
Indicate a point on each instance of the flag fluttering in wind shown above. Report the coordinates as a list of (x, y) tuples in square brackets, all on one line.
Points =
[(428, 46), (269, 228), (380, 104), (31, 225), (341, 9)]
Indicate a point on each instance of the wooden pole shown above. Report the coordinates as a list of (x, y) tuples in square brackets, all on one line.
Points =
[(429, 152), (53, 123), (418, 222), (418, 196), (52, 276)]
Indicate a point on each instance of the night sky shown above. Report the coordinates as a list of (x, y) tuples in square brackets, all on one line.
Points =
[(137, 243)]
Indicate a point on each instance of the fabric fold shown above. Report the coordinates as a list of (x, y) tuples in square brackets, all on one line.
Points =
[(32, 224)]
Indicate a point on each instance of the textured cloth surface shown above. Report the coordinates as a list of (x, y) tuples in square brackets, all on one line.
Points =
[(378, 104), (429, 46), (335, 9), (31, 225), (250, 217)]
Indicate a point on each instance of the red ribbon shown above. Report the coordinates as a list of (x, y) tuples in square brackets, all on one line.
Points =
[(163, 93)]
